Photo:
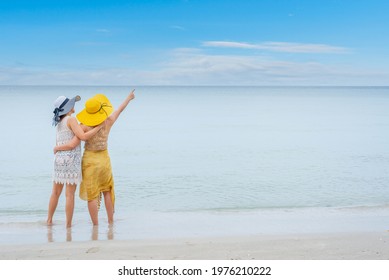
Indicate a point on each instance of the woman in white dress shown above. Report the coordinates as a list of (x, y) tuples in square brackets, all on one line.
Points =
[(67, 164)]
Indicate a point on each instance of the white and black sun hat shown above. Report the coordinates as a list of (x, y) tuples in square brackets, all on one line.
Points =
[(62, 106)]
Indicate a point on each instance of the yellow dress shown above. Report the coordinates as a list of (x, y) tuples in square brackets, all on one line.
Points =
[(96, 169)]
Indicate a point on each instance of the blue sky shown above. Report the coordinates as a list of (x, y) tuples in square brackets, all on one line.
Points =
[(194, 42)]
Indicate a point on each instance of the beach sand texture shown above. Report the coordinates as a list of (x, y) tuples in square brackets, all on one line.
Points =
[(340, 246)]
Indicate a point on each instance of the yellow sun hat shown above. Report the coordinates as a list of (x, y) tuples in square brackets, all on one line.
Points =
[(97, 109)]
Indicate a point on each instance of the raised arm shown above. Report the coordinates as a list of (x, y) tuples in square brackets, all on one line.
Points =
[(68, 146), (115, 115), (79, 132)]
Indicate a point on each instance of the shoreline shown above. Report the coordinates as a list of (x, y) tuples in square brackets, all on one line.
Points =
[(200, 225), (309, 234), (323, 246)]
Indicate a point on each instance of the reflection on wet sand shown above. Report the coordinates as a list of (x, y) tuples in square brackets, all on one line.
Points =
[(69, 234), (110, 232), (50, 234), (58, 235), (95, 233)]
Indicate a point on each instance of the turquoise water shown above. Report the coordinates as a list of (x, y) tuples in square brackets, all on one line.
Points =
[(181, 152)]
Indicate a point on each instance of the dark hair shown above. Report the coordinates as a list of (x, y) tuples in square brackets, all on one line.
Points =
[(61, 117)]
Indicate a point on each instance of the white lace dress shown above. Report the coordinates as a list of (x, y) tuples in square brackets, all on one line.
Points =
[(67, 164)]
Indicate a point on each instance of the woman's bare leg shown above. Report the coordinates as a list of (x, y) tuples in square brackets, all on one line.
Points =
[(108, 206), (70, 190), (55, 194), (93, 211)]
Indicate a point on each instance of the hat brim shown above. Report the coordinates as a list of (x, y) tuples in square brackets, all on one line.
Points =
[(69, 105), (97, 118)]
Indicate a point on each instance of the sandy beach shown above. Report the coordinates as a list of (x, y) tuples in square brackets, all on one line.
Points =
[(340, 246)]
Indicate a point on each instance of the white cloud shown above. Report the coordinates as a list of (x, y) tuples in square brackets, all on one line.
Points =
[(279, 47), (195, 67)]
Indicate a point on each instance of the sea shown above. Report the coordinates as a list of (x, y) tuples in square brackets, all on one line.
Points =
[(202, 161)]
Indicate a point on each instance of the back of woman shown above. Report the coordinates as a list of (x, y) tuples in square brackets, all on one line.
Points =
[(96, 163)]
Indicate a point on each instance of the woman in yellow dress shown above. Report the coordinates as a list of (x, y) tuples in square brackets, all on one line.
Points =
[(97, 179)]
